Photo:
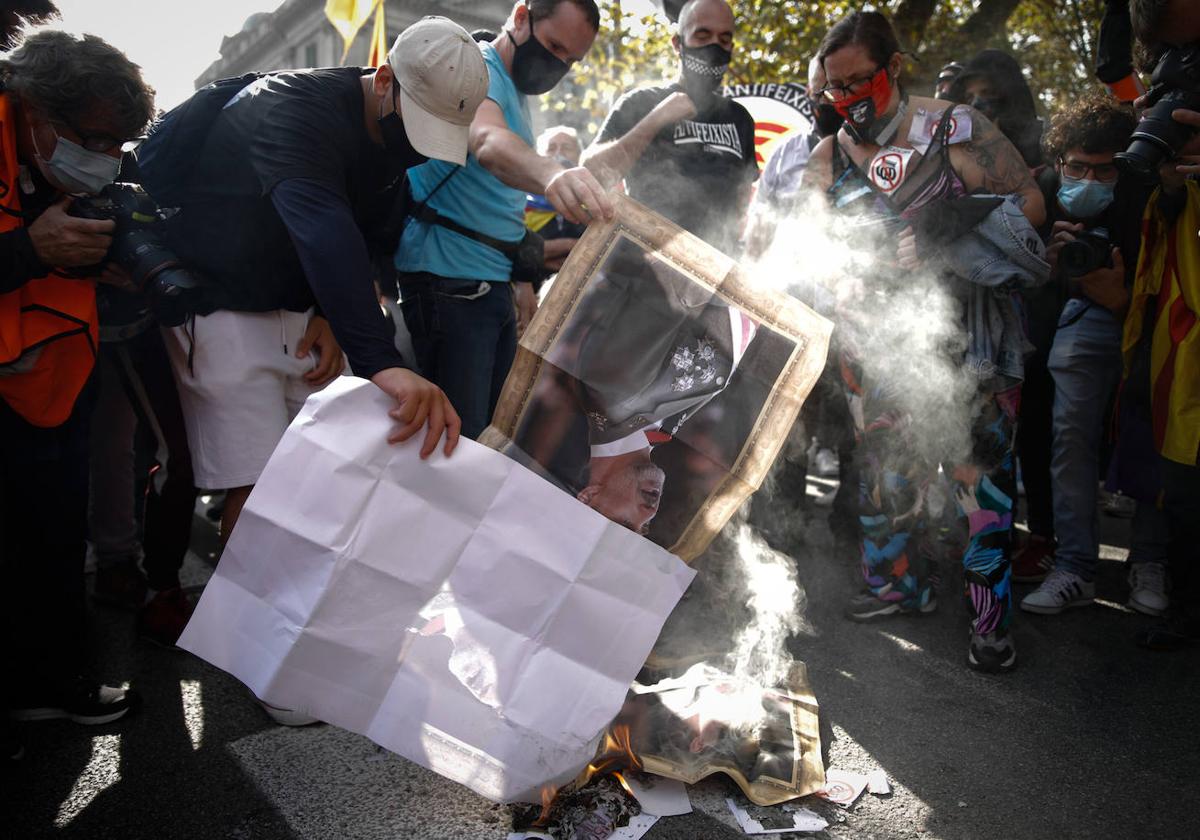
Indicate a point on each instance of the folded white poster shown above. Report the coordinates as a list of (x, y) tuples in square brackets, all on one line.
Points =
[(462, 611)]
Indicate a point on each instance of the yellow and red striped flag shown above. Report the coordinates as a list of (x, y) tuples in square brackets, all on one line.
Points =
[(377, 55)]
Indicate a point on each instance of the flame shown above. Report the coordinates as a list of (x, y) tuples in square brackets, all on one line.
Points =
[(614, 755), (549, 792)]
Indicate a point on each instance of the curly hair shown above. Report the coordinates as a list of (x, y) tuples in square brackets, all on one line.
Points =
[(1097, 123), (71, 77)]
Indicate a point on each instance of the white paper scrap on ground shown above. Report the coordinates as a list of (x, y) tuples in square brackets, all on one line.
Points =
[(658, 796), (802, 819), (462, 612), (843, 787), (637, 828), (877, 783)]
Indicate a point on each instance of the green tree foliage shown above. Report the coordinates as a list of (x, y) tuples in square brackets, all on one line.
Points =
[(1055, 40)]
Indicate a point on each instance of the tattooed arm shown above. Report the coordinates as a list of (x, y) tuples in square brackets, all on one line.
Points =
[(990, 163), (818, 172)]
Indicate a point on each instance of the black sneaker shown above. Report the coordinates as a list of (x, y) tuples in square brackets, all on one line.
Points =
[(1173, 634), (866, 607), (992, 653), (14, 747), (82, 701)]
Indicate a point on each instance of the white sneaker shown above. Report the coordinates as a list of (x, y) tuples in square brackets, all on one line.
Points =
[(1148, 588), (286, 717), (1058, 591)]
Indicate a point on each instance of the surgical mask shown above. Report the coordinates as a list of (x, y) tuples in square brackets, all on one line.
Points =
[(1085, 199), (395, 137), (535, 69), (702, 71), (862, 111), (75, 169)]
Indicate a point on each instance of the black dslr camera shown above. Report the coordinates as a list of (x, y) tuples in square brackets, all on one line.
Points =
[(1089, 251), (171, 290), (1158, 138)]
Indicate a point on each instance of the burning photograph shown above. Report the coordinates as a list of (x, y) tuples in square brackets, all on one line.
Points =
[(656, 384)]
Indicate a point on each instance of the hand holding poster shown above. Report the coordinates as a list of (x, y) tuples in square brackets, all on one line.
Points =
[(657, 383)]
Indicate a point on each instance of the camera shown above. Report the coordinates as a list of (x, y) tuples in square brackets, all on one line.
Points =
[(1158, 138), (1089, 251), (171, 290)]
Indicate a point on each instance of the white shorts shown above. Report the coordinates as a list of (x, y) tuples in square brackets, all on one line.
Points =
[(243, 388)]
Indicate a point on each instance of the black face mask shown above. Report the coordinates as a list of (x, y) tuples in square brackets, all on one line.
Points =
[(703, 70), (826, 119), (396, 144), (987, 107), (535, 69)]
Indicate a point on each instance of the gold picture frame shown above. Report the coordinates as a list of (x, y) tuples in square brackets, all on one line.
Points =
[(800, 336)]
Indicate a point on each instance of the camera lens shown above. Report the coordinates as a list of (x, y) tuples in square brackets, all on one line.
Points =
[(171, 295), (1143, 158), (1075, 258)]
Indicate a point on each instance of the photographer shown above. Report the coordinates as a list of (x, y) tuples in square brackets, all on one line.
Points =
[(68, 105), (1095, 219), (1164, 310), (288, 177)]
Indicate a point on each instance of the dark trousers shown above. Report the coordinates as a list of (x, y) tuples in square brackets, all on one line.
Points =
[(1181, 503), (150, 386), (1033, 443), (464, 333), (43, 507)]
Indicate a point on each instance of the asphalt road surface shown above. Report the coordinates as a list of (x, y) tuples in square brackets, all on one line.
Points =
[(1088, 738)]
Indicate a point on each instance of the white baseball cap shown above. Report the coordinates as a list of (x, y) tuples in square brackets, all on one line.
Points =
[(443, 80)]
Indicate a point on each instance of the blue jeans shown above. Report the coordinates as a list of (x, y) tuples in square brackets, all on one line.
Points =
[(1085, 362), (464, 334)]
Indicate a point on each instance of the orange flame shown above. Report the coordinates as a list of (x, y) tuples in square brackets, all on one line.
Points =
[(615, 754), (549, 792)]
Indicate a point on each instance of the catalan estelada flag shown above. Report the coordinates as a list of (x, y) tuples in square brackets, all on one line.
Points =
[(377, 55), (538, 212), (347, 17), (1169, 274)]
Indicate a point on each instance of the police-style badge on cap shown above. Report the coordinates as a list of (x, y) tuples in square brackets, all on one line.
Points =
[(443, 80)]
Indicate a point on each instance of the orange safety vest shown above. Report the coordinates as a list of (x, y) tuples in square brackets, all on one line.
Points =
[(50, 321)]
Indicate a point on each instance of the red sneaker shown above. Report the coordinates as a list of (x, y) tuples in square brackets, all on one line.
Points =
[(163, 618), (1034, 560)]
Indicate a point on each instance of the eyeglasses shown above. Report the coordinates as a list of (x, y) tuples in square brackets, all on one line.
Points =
[(92, 142), (1077, 171), (851, 88)]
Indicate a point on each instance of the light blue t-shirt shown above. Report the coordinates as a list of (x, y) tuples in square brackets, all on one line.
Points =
[(474, 197)]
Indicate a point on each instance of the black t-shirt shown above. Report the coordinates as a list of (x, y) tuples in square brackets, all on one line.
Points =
[(695, 171), (292, 125)]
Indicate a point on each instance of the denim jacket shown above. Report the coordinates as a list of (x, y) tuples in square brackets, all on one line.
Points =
[(998, 256)]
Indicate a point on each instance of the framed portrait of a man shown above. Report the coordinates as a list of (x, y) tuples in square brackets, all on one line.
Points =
[(659, 380)]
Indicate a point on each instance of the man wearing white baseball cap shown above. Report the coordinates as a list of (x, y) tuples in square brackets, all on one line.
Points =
[(461, 257), (284, 182)]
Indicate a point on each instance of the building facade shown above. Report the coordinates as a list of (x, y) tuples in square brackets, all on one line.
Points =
[(297, 34)]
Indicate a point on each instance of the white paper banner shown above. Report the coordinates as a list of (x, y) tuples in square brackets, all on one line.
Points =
[(461, 611)]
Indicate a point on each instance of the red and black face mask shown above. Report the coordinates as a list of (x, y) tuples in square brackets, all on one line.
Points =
[(862, 110)]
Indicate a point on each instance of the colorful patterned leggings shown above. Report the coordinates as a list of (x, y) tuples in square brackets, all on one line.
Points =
[(897, 547)]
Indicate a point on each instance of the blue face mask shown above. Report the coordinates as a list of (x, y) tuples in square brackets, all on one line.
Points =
[(1085, 199)]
